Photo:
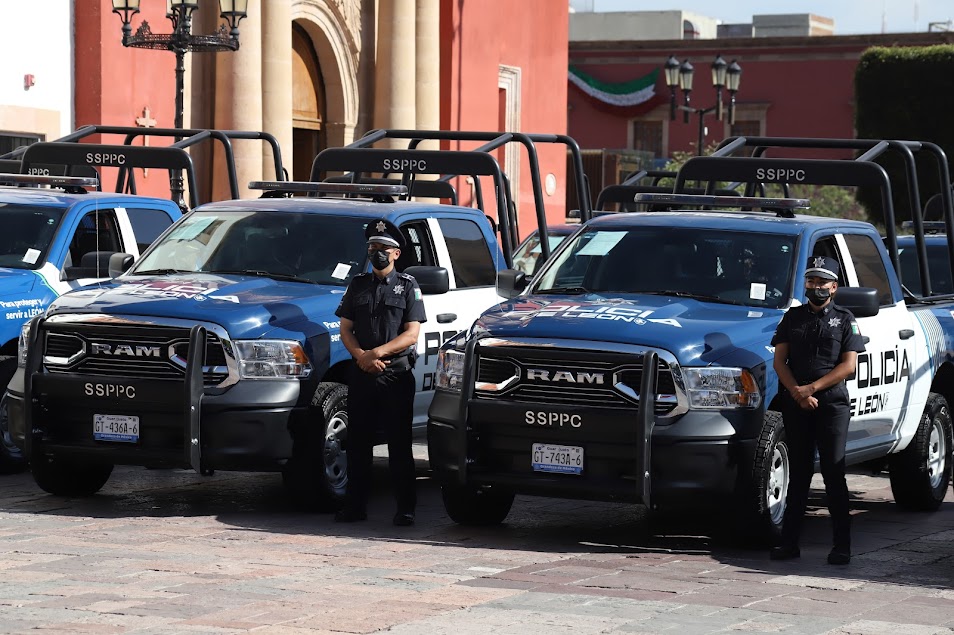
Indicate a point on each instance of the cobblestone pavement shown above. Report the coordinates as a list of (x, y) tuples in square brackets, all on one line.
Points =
[(167, 551)]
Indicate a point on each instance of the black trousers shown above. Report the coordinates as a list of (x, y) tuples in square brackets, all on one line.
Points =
[(825, 428), (380, 404)]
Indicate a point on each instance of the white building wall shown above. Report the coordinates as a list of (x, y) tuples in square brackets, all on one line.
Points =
[(36, 38), (638, 25)]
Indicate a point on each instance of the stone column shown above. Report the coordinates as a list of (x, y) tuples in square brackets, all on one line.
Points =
[(277, 82), (200, 99), (238, 88), (428, 67), (395, 90), (428, 75)]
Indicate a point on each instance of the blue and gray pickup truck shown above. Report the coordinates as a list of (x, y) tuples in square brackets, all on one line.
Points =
[(636, 365), (55, 239), (220, 348)]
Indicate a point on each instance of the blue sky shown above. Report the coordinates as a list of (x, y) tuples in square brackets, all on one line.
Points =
[(851, 16)]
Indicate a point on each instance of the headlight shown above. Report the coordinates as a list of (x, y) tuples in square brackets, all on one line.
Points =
[(22, 345), (271, 359), (721, 388), (450, 370)]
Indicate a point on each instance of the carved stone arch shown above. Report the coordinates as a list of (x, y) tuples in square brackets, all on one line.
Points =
[(333, 26)]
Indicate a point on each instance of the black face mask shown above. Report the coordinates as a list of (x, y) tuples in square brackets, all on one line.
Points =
[(379, 259), (818, 295)]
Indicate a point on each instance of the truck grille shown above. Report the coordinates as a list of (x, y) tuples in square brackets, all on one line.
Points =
[(129, 351), (568, 377)]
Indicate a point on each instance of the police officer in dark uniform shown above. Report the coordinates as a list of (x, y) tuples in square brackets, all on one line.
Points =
[(816, 349), (381, 315)]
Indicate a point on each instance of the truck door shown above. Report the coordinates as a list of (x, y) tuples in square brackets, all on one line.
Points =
[(879, 391), (460, 247), (96, 230)]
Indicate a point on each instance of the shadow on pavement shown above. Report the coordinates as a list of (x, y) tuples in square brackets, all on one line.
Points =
[(890, 545)]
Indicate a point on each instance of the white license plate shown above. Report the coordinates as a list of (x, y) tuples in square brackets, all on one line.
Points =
[(123, 428), (563, 459)]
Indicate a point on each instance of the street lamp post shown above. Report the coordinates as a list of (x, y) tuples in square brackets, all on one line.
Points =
[(181, 41), (724, 76)]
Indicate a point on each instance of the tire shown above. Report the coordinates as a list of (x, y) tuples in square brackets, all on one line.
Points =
[(11, 457), (921, 472), (771, 473), (476, 506), (67, 478), (317, 475)]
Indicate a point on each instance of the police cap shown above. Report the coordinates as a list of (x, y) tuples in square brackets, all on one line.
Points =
[(822, 267), (383, 231)]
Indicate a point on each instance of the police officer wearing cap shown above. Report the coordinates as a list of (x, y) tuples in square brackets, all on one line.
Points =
[(381, 314), (816, 349)]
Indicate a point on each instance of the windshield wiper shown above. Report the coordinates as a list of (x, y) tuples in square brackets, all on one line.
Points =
[(264, 274), (563, 290), (694, 296), (159, 272)]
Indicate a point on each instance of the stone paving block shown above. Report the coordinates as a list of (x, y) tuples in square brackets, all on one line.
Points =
[(870, 627)]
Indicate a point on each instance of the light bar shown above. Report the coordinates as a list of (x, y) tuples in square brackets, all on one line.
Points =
[(329, 188), (723, 201), (52, 181)]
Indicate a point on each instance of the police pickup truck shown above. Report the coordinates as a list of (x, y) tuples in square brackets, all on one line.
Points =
[(636, 366), (220, 349), (57, 238)]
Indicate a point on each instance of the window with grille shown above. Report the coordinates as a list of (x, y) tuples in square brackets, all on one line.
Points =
[(746, 128), (648, 136), (10, 141)]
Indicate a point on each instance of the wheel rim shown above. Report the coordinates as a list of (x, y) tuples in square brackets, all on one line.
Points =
[(937, 454), (336, 457), (776, 490)]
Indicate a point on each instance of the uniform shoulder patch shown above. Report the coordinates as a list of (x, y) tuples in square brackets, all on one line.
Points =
[(417, 293), (854, 328)]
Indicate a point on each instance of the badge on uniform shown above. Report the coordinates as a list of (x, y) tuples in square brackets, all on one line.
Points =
[(834, 322), (399, 288)]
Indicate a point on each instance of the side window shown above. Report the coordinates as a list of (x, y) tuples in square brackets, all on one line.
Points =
[(147, 224), (418, 249), (469, 253), (869, 266), (827, 247), (97, 231)]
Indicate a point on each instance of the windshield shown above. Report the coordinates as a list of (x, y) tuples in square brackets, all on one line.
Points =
[(307, 247), (527, 256), (719, 266), (27, 232)]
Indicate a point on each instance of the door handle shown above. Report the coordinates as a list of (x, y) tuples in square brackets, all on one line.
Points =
[(444, 318), (905, 334)]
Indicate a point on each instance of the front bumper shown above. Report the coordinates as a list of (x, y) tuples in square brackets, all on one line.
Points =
[(700, 457), (249, 426)]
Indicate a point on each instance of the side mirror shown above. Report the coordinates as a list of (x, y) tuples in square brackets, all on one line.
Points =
[(431, 280), (99, 264), (119, 264), (511, 282), (862, 301)]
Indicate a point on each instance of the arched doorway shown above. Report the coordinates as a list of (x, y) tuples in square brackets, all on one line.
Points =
[(308, 104)]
